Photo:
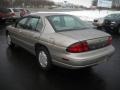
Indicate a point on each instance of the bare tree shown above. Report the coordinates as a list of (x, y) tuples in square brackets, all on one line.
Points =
[(20, 3)]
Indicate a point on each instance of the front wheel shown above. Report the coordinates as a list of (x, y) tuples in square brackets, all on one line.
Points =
[(44, 58)]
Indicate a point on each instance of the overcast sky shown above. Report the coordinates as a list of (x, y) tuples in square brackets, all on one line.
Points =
[(80, 2)]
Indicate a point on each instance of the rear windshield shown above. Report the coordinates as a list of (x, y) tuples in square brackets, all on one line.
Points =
[(66, 23)]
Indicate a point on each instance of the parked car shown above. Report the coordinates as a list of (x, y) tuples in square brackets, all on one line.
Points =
[(60, 39), (112, 23), (5, 15), (98, 22), (18, 12)]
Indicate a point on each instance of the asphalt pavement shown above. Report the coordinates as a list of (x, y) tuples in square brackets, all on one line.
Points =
[(19, 70)]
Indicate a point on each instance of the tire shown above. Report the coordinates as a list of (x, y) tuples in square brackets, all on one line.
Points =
[(9, 41), (44, 58)]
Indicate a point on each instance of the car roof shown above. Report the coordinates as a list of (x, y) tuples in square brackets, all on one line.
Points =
[(44, 14), (15, 8)]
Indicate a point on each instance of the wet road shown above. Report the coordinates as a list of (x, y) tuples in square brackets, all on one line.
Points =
[(20, 71)]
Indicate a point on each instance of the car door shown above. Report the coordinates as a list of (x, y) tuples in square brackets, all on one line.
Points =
[(31, 34), (16, 29)]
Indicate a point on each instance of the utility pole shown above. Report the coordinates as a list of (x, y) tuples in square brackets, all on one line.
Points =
[(65, 3)]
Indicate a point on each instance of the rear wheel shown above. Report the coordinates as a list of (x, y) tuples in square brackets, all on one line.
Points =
[(9, 41), (44, 58)]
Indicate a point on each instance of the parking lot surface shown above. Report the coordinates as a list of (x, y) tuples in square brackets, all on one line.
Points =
[(19, 70)]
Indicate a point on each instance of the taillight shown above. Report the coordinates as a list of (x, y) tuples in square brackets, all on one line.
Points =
[(78, 47), (109, 40)]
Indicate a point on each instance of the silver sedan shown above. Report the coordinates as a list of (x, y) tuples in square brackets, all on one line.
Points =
[(60, 39)]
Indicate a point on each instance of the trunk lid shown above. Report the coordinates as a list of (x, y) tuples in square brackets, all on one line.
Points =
[(95, 39), (86, 34)]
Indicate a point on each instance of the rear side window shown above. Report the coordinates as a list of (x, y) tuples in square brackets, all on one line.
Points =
[(32, 23), (21, 23)]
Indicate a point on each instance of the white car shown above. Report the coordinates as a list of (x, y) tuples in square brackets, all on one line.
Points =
[(98, 22)]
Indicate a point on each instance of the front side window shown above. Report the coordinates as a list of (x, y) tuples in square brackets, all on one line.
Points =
[(66, 22)]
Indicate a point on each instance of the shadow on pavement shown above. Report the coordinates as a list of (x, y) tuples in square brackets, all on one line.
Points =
[(25, 71)]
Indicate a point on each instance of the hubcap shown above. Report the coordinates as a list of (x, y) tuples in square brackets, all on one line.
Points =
[(43, 59), (8, 40)]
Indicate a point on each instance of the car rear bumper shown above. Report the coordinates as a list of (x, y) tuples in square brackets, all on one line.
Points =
[(86, 59)]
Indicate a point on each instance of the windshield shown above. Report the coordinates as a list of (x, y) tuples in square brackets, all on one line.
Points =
[(66, 23)]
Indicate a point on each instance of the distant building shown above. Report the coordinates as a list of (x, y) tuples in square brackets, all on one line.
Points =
[(116, 3)]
